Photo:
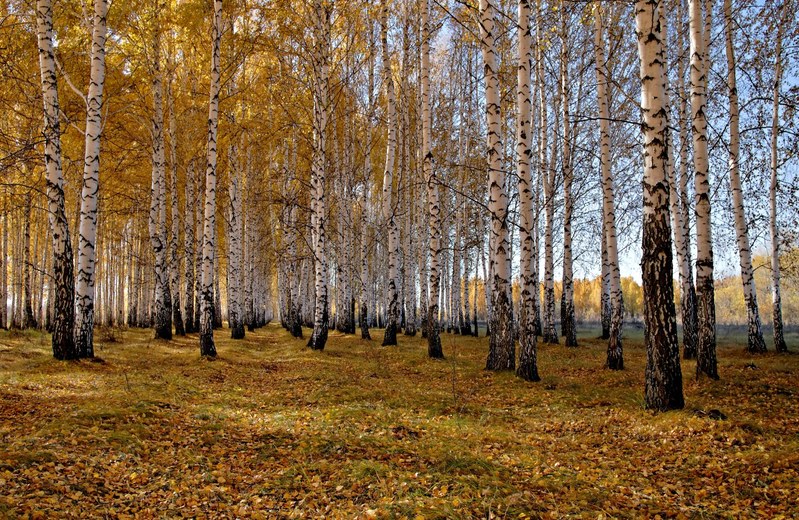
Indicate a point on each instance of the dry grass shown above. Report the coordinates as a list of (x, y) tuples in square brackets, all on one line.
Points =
[(272, 429)]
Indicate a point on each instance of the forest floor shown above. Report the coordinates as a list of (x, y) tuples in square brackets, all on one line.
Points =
[(274, 430)]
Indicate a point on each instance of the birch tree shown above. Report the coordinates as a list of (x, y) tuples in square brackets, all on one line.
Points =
[(776, 296), (321, 113), (568, 325), (706, 311), (85, 290), (63, 341), (392, 314), (528, 356), (755, 343), (157, 221), (615, 356), (207, 347), (434, 349), (663, 389), (501, 354)]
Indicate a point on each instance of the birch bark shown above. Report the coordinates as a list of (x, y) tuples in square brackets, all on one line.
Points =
[(85, 290), (663, 389)]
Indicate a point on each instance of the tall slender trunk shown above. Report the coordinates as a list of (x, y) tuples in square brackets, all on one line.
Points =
[(392, 314), (501, 354), (157, 221), (528, 355), (615, 354), (174, 264), (363, 314), (321, 70), (687, 288), (85, 291), (663, 389), (188, 247), (63, 339), (706, 308), (207, 347), (568, 324), (755, 343), (434, 349), (776, 297), (28, 320), (546, 175), (235, 321)]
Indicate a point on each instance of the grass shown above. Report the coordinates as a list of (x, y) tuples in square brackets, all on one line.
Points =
[(273, 430)]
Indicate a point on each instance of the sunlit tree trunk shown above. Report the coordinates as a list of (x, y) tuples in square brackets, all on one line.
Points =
[(174, 265), (84, 290), (235, 321), (63, 340), (568, 325), (755, 343), (546, 173), (528, 356), (615, 355), (157, 221), (392, 309), (434, 349), (776, 296), (501, 355), (663, 389), (207, 346), (687, 288), (321, 70), (706, 310)]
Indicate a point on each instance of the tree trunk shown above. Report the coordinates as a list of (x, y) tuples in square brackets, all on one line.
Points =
[(207, 347), (63, 341), (392, 314), (615, 354), (321, 113), (706, 310), (687, 288), (776, 297), (174, 265), (434, 349), (568, 324), (157, 222), (663, 389), (755, 343), (528, 356), (188, 247), (501, 354), (85, 290)]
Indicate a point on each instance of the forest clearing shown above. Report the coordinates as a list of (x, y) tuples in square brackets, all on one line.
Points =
[(272, 429), (246, 247)]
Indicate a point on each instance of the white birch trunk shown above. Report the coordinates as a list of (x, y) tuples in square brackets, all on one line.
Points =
[(207, 347), (157, 221), (63, 341), (706, 312), (321, 70), (85, 290), (755, 343), (776, 296), (528, 354), (501, 354), (434, 349), (615, 354), (663, 389)]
